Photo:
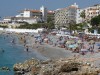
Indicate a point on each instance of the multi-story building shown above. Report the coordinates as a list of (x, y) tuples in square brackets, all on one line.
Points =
[(65, 16), (60, 17), (30, 16), (37, 15), (79, 19), (92, 11)]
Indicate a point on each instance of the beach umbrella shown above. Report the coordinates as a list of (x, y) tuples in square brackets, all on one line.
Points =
[(98, 44), (71, 46), (72, 41), (46, 39), (92, 41), (68, 42), (79, 41), (75, 45), (83, 50)]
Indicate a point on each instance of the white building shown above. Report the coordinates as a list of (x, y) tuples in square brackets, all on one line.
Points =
[(30, 16), (37, 15), (78, 17), (60, 17), (92, 11), (67, 15), (43, 13)]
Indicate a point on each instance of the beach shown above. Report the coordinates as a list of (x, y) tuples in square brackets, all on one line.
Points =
[(54, 52), (49, 51)]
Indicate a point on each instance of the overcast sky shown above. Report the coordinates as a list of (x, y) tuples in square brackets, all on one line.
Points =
[(11, 7)]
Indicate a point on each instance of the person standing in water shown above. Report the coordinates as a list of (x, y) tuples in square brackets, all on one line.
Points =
[(13, 41), (27, 48), (2, 50)]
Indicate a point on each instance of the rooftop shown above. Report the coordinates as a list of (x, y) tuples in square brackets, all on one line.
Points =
[(36, 11)]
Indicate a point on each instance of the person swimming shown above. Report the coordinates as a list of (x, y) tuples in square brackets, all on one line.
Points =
[(13, 41), (2, 50)]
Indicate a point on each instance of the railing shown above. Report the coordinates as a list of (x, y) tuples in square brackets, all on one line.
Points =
[(20, 30), (93, 35)]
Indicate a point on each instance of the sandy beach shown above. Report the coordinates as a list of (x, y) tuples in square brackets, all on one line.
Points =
[(54, 52), (48, 51)]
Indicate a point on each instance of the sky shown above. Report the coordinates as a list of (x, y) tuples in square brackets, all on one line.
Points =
[(11, 7)]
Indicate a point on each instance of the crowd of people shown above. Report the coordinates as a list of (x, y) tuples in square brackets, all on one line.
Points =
[(80, 45)]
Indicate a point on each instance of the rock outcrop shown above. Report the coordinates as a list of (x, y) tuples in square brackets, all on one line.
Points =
[(4, 68), (56, 67)]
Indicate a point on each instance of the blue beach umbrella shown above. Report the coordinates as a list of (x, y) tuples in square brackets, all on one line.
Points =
[(98, 44), (71, 46), (75, 45)]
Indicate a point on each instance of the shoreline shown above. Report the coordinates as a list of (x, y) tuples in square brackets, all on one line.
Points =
[(47, 50), (54, 52)]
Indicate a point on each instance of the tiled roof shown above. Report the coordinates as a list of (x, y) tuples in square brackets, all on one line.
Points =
[(30, 10), (50, 12), (64, 8), (35, 11), (72, 6)]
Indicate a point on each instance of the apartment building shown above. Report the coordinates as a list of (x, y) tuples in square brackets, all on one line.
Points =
[(92, 11), (79, 19), (60, 17), (65, 16), (30, 16)]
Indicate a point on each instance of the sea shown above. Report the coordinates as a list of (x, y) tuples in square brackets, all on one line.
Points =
[(14, 53)]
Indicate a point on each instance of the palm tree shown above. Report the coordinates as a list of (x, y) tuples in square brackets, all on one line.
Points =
[(83, 15)]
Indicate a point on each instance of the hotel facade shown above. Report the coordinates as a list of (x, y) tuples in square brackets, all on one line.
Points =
[(65, 16), (30, 16), (92, 11)]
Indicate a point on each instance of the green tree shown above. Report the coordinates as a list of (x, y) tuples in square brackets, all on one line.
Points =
[(83, 14), (51, 25), (95, 21), (48, 25), (49, 19), (30, 26), (3, 26)]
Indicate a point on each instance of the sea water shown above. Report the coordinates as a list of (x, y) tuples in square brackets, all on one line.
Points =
[(14, 53)]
